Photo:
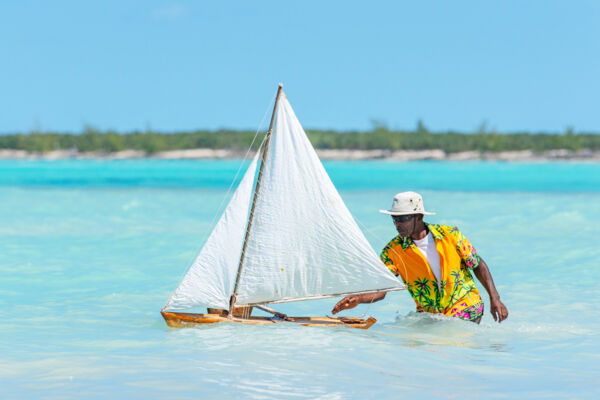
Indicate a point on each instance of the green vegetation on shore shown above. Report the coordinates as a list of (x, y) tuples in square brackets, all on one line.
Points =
[(379, 137)]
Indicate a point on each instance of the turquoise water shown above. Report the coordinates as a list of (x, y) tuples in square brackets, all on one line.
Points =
[(91, 250)]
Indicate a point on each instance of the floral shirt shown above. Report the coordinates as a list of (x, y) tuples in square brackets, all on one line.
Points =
[(456, 294)]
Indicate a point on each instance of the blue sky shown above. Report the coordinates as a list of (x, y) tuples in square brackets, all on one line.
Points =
[(126, 65)]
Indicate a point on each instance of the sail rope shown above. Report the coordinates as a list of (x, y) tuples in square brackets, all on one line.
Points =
[(219, 208), (367, 310)]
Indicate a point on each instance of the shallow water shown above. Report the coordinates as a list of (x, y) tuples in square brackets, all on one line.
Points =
[(91, 250)]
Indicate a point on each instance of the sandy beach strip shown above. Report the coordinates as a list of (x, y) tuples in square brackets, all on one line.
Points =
[(324, 154)]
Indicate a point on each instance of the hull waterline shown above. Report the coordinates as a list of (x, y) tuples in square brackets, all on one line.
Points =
[(182, 320)]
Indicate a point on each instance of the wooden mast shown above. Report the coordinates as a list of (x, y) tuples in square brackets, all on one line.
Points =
[(256, 189)]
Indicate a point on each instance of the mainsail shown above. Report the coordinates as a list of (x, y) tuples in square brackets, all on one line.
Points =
[(210, 279), (303, 242)]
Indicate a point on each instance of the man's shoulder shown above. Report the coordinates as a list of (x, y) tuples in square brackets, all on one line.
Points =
[(440, 231), (395, 242), (445, 228)]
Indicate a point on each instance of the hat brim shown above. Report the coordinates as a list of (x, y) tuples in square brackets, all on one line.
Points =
[(389, 212)]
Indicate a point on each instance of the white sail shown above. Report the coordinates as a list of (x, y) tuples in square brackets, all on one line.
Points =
[(303, 241), (210, 280)]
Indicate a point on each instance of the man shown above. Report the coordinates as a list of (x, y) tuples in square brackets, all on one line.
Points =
[(435, 263)]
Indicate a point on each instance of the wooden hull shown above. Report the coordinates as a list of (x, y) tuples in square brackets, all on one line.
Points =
[(182, 320)]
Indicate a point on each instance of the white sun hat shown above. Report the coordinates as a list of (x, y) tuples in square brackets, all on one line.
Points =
[(406, 203)]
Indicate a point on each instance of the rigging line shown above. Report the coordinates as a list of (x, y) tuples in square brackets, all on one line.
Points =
[(212, 224), (368, 308), (218, 212)]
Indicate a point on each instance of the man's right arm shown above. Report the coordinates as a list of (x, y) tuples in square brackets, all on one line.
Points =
[(354, 300)]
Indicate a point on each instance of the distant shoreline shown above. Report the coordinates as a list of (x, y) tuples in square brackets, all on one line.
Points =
[(324, 154)]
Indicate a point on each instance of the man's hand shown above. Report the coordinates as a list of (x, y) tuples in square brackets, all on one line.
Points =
[(346, 303), (498, 310), (353, 301)]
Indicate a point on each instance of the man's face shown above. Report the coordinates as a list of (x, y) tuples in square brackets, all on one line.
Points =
[(405, 224)]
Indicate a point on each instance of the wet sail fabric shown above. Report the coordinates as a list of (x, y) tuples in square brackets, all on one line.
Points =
[(303, 241), (210, 280)]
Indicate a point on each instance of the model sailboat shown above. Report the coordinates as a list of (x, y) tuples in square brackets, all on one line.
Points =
[(290, 239)]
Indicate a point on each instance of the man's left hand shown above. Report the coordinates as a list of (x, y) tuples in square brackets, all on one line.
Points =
[(498, 310)]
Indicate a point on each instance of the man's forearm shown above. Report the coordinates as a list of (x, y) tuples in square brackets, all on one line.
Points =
[(497, 308), (483, 274), (371, 297), (354, 300)]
